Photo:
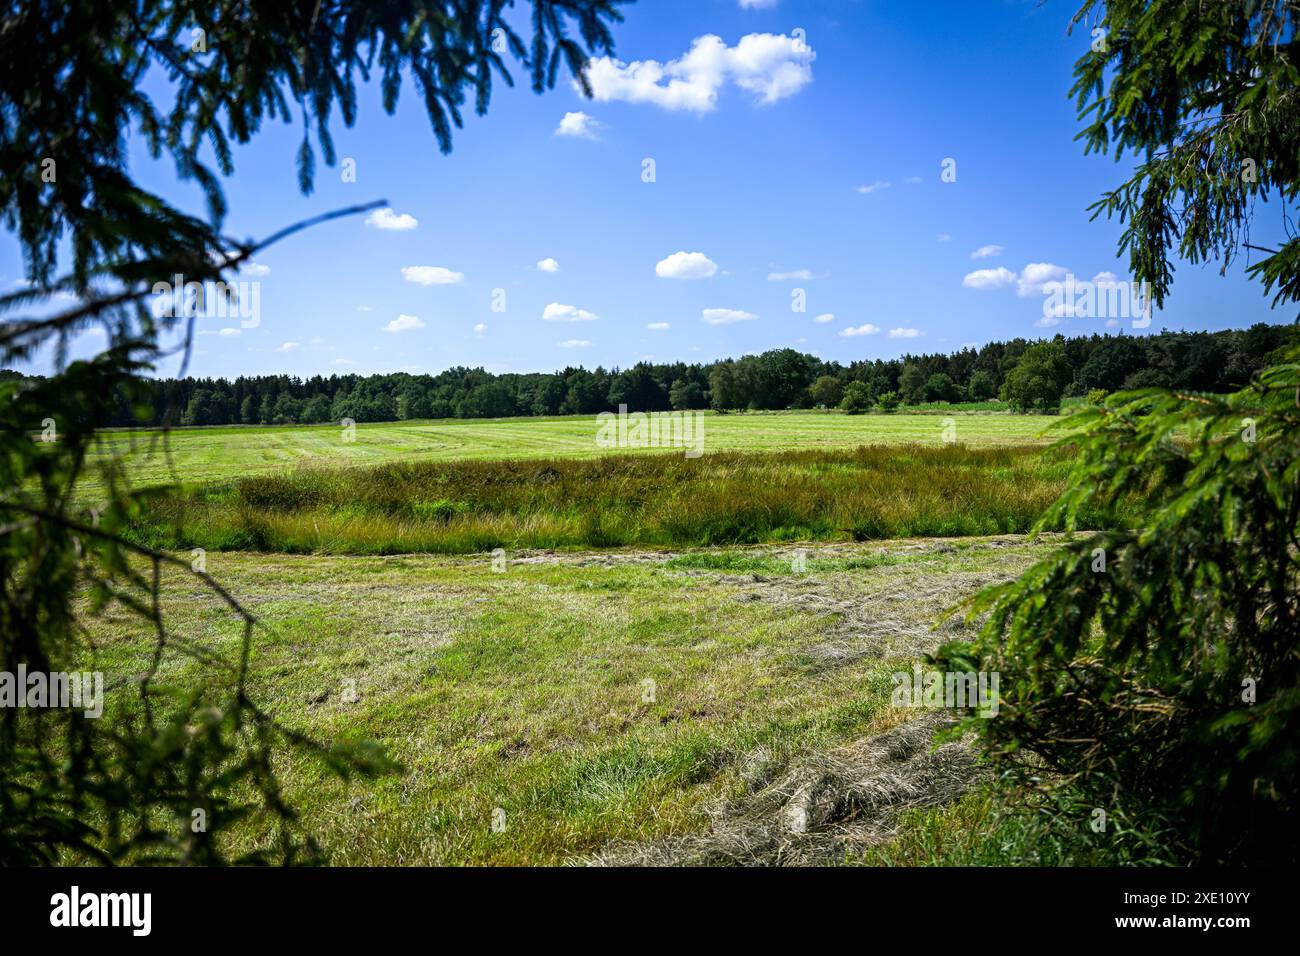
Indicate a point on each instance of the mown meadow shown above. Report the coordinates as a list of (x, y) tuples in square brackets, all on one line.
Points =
[(193, 456), (559, 707)]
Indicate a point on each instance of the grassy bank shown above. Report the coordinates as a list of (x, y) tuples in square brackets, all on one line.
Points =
[(661, 500)]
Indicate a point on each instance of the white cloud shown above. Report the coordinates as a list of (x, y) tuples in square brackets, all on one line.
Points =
[(228, 332), (548, 265), (574, 344), (989, 278), (1035, 275), (825, 317), (757, 4), (558, 312), (867, 329), (658, 326), (1112, 323), (404, 323), (802, 275), (872, 187), (251, 268), (1047, 321), (944, 237), (390, 221), (984, 252), (1105, 279), (770, 66), (904, 333), (364, 308), (727, 316), (431, 275), (686, 265), (577, 124), (480, 328), (286, 347)]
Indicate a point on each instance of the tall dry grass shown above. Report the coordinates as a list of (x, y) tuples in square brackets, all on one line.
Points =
[(621, 500)]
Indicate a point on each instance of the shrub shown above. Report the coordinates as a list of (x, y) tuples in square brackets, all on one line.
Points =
[(1152, 668), (857, 398)]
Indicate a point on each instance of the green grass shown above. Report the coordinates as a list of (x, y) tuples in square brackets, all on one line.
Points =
[(613, 501), (526, 689), (201, 455)]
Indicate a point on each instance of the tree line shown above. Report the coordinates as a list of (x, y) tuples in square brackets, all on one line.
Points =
[(1028, 375)]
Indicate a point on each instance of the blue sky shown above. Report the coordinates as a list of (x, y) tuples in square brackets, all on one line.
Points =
[(816, 155)]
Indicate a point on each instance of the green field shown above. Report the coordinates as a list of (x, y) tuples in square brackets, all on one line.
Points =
[(197, 455), (630, 706), (672, 660)]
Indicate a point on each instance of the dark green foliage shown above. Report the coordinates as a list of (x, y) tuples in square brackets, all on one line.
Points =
[(1149, 669), (1204, 361), (1038, 379), (857, 398), (1204, 94), (1126, 657)]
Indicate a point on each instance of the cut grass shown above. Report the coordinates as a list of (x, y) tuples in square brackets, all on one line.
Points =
[(527, 690), (876, 492)]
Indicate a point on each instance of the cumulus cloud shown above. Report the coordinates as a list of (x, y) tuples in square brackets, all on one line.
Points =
[(873, 187), (431, 275), (686, 265), (577, 124), (989, 278), (986, 252), (404, 323), (658, 326), (574, 344), (286, 347), (867, 329), (727, 316), (389, 221), (480, 328), (1047, 322), (904, 333), (770, 66), (558, 312), (825, 317), (548, 265), (1037, 274)]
